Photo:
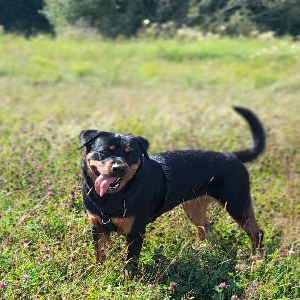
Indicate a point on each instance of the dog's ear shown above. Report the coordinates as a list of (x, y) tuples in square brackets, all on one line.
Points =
[(144, 145), (87, 136)]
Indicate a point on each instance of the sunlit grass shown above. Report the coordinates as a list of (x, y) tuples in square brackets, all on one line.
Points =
[(178, 95)]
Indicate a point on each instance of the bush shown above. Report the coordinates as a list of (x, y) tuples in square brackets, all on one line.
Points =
[(236, 17), (281, 17), (115, 17), (23, 17), (227, 17)]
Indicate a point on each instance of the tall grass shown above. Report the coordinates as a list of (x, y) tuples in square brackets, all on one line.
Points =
[(177, 95)]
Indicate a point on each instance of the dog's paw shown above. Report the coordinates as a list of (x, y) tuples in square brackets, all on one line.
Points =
[(131, 269)]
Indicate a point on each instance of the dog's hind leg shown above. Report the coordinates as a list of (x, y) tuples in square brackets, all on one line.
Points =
[(249, 224), (196, 211), (247, 221)]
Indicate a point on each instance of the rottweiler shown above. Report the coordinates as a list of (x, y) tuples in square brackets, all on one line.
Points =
[(124, 189)]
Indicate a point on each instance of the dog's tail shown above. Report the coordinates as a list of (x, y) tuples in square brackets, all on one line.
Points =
[(258, 136)]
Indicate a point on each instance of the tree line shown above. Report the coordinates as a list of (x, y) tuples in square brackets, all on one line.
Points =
[(113, 18)]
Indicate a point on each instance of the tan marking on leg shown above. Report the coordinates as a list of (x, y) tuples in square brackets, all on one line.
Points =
[(101, 248), (196, 211), (103, 241), (123, 225)]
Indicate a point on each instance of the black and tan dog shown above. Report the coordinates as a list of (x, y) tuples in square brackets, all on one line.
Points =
[(124, 189)]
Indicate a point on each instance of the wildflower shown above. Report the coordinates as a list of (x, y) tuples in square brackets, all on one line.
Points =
[(26, 277), (45, 249), (291, 252), (241, 266), (282, 254), (150, 285), (242, 251), (234, 297), (2, 284), (222, 284), (172, 286), (50, 193)]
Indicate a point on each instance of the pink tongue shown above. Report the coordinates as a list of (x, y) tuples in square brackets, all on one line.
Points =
[(102, 183)]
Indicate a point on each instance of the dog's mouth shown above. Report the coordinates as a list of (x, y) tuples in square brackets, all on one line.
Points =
[(105, 183), (115, 184)]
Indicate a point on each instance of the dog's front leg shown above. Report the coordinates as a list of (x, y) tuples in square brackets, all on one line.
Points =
[(134, 245), (101, 240)]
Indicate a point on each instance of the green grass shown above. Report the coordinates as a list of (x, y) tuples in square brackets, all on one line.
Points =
[(179, 96)]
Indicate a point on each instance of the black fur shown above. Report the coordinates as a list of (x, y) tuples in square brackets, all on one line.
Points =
[(195, 173)]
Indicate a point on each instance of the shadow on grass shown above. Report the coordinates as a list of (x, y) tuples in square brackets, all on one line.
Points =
[(218, 269), (196, 273)]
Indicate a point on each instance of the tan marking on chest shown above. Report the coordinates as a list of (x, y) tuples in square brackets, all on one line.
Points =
[(93, 219), (124, 225)]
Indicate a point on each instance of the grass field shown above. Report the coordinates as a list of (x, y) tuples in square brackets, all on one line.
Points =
[(178, 95)]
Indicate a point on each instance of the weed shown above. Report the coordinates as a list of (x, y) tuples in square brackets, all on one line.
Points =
[(178, 95)]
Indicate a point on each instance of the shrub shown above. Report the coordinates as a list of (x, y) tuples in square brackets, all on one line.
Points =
[(23, 17), (123, 17)]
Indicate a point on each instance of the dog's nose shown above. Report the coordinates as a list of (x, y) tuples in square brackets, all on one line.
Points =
[(118, 170)]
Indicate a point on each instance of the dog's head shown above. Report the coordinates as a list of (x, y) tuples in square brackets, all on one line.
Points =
[(112, 159)]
